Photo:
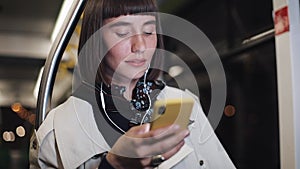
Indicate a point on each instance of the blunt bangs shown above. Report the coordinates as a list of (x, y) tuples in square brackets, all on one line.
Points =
[(115, 8)]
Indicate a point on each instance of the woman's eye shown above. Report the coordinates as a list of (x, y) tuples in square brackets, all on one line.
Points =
[(148, 33), (149, 30), (121, 35)]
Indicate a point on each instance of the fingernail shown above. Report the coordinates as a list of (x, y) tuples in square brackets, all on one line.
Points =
[(146, 128)]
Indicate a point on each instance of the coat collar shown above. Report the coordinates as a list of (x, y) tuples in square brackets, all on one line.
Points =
[(77, 147)]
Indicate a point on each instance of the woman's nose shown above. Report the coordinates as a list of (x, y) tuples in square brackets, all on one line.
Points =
[(138, 44)]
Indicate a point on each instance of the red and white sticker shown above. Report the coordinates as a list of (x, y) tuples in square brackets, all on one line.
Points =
[(281, 21)]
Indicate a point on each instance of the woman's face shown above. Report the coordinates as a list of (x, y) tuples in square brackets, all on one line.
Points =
[(131, 40)]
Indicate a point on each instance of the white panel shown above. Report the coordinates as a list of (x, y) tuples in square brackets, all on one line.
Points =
[(285, 102), (295, 53), (288, 76)]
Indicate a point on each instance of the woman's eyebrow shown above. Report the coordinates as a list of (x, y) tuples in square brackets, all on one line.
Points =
[(121, 23), (152, 22)]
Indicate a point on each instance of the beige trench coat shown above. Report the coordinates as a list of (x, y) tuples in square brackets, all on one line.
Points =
[(69, 138)]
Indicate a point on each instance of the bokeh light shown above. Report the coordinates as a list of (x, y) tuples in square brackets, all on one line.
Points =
[(8, 136), (229, 110), (20, 131)]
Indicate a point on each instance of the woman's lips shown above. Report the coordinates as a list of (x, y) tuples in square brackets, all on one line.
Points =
[(136, 62)]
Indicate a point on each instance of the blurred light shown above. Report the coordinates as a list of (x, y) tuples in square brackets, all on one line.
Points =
[(175, 71), (20, 131), (16, 107), (20, 110), (8, 136), (31, 119), (229, 110), (12, 136)]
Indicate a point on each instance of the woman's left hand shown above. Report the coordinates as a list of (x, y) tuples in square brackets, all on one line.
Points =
[(136, 147)]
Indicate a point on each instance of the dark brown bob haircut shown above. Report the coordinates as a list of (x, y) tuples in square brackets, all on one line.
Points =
[(96, 11)]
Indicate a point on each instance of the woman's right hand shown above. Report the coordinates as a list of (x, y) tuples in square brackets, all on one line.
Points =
[(135, 148)]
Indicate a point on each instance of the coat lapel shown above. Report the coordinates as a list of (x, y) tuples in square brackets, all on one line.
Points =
[(77, 147)]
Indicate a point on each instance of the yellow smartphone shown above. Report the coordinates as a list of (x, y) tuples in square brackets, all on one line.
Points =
[(172, 111)]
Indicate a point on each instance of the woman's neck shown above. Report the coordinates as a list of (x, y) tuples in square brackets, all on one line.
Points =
[(129, 84)]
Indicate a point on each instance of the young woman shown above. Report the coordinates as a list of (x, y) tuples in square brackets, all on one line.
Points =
[(104, 124)]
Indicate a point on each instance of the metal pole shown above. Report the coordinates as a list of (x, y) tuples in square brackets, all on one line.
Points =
[(53, 60), (249, 44)]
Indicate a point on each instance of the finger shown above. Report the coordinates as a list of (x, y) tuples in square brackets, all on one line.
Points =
[(143, 131), (168, 143), (138, 130), (170, 134), (173, 151), (166, 155), (163, 132), (149, 146)]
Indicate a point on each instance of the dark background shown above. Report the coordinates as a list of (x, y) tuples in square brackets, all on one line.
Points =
[(250, 136)]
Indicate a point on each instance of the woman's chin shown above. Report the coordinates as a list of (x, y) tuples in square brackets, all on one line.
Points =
[(138, 75)]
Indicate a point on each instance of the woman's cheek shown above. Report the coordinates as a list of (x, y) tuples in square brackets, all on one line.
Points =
[(119, 53)]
